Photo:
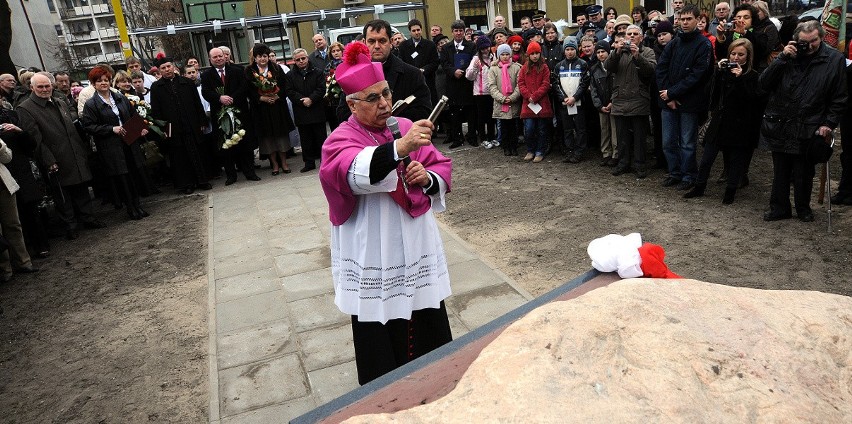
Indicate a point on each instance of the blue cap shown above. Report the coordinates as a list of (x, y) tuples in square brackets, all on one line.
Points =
[(594, 9)]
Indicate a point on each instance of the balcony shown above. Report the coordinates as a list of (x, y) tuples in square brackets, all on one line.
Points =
[(106, 34), (111, 58), (78, 12)]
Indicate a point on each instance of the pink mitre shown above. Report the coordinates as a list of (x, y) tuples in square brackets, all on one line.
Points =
[(357, 71)]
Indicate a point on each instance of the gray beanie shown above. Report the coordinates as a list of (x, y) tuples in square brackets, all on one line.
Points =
[(569, 42), (503, 48)]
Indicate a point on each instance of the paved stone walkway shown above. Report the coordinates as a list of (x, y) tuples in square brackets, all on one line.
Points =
[(278, 345)]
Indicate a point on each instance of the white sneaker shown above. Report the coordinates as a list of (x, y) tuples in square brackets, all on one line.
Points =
[(495, 143), (486, 144)]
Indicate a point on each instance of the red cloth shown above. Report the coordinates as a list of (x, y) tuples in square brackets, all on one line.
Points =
[(652, 262), (535, 83)]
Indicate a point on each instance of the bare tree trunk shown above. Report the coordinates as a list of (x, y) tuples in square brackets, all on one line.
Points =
[(6, 65)]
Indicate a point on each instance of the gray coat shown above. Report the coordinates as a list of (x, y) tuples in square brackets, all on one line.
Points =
[(495, 84), (630, 92), (57, 141)]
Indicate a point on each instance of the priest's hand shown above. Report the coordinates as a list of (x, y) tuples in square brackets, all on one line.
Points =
[(418, 136), (415, 174)]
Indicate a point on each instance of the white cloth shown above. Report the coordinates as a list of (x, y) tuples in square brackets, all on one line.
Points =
[(386, 264), (208, 127), (149, 79), (617, 253), (6, 157)]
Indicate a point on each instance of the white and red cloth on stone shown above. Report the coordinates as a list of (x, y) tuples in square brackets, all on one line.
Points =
[(628, 256)]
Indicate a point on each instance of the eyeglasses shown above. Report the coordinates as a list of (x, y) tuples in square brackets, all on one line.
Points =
[(299, 59), (373, 98)]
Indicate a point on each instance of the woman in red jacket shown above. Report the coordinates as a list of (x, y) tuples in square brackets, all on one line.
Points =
[(534, 84)]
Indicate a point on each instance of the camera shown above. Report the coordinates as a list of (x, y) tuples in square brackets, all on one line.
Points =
[(802, 47), (729, 26), (652, 24), (730, 65)]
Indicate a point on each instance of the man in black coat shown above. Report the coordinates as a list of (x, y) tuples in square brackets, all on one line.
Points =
[(403, 79), (421, 54), (305, 89), (175, 100), (455, 57), (320, 57), (232, 78)]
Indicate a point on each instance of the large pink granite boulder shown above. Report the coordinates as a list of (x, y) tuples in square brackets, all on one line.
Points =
[(646, 350)]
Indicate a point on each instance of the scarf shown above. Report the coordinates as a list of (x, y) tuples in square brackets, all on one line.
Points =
[(506, 87)]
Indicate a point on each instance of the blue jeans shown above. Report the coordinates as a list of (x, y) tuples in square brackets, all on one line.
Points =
[(680, 130), (535, 134)]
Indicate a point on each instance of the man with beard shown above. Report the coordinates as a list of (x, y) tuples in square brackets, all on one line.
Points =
[(175, 100)]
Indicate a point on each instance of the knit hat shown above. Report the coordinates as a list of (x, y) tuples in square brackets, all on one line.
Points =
[(503, 48), (483, 43), (532, 32), (503, 31), (533, 47), (569, 42), (623, 20), (664, 26), (515, 39), (357, 71), (602, 45)]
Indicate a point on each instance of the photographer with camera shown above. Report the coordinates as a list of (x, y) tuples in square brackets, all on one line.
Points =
[(735, 110), (807, 99), (744, 24)]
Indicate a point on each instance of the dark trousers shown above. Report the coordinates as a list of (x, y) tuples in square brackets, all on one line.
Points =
[(312, 137), (236, 158), (331, 116), (845, 187), (73, 204), (509, 133), (35, 234), (575, 140), (787, 168), (381, 348), (485, 125), (632, 132), (657, 123), (458, 115), (734, 159)]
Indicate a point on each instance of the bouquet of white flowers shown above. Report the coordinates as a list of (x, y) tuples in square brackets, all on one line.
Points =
[(229, 123), (143, 108)]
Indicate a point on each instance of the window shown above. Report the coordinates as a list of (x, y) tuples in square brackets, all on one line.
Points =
[(579, 6), (51, 6), (58, 29), (521, 8), (474, 13)]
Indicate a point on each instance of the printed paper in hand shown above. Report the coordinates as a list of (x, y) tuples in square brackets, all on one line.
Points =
[(534, 107), (572, 110)]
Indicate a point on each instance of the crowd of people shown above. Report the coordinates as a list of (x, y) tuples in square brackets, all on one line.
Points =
[(735, 77)]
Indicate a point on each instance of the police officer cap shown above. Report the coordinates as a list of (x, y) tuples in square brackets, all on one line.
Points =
[(594, 9)]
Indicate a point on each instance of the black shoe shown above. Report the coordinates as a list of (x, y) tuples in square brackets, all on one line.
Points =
[(776, 216), (604, 162), (806, 217), (473, 143), (308, 168), (506, 152), (205, 186), (26, 270), (230, 180), (685, 185), (841, 199), (71, 234), (142, 212), (575, 159), (744, 182), (456, 144), (133, 214), (94, 224), (43, 254), (728, 198), (670, 182), (568, 158), (660, 165), (696, 191), (252, 177), (188, 190), (612, 162), (620, 170), (286, 171), (641, 174)]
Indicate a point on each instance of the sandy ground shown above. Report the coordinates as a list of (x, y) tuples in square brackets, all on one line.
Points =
[(534, 222), (113, 329), (114, 326)]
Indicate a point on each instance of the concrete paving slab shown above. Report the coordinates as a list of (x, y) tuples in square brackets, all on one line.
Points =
[(232, 230), (456, 252), (288, 240), (332, 382), (250, 311), (248, 284), (248, 345), (307, 284), (457, 327), (472, 275), (280, 413), (242, 264), (299, 262), (288, 215), (263, 383), (316, 312), (325, 347), (478, 307), (248, 242)]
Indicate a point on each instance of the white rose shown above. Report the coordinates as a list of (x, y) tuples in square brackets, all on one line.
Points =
[(241, 132)]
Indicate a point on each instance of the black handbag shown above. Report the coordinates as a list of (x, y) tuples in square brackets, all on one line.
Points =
[(817, 150)]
